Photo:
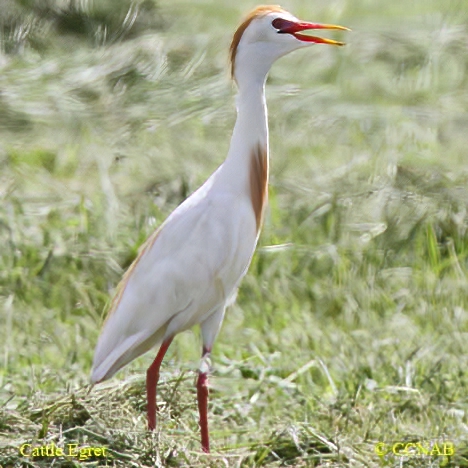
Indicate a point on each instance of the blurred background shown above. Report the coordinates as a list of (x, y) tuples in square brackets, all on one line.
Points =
[(351, 325)]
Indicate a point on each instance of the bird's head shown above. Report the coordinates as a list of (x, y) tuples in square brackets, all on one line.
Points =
[(266, 34)]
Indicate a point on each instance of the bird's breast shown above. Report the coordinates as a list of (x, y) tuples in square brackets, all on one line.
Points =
[(207, 258), (258, 181)]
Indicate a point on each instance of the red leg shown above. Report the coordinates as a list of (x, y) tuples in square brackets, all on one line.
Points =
[(152, 377), (202, 395)]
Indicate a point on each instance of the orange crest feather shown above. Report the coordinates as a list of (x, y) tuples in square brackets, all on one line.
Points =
[(261, 10)]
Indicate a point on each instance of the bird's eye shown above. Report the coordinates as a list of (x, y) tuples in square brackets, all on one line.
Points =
[(280, 23)]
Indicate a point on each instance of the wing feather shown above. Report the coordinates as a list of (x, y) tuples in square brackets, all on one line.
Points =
[(184, 271)]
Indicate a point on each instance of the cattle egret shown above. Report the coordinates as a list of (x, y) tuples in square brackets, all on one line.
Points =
[(189, 269)]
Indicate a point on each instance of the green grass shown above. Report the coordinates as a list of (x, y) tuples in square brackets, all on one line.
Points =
[(351, 326)]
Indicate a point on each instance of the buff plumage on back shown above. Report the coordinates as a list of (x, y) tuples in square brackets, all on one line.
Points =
[(259, 11), (123, 282)]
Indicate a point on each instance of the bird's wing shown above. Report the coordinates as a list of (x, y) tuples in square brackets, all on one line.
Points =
[(184, 271)]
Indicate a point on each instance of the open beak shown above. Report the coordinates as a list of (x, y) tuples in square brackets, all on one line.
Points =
[(293, 28)]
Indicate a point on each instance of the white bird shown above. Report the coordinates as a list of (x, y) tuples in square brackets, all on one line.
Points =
[(188, 271)]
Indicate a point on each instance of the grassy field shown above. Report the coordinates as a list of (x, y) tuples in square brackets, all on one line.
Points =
[(350, 331)]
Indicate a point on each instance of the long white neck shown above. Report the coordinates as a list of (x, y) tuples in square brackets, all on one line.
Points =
[(250, 132)]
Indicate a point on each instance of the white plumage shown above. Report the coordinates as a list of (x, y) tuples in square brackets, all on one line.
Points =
[(189, 270), (185, 272)]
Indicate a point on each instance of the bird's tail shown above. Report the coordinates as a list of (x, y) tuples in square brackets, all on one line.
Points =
[(106, 364)]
